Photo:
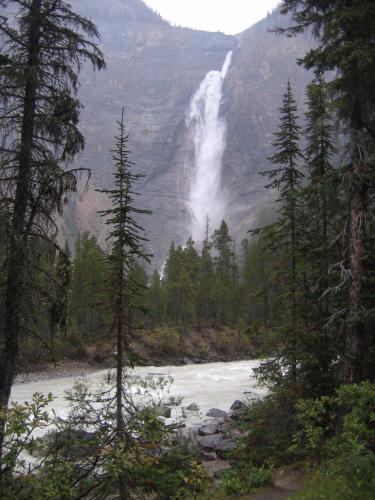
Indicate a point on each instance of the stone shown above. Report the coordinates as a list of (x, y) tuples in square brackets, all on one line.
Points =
[(192, 407), (226, 445), (162, 411), (209, 442), (216, 468), (238, 406), (208, 457), (290, 480), (72, 443), (173, 401), (208, 429), (216, 413)]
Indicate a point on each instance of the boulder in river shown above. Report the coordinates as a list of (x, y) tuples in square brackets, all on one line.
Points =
[(225, 445), (216, 468), (209, 442), (192, 407), (238, 406), (208, 429), (173, 401), (73, 443), (216, 413), (162, 411)]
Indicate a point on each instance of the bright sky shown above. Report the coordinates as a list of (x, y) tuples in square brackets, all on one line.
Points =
[(228, 16)]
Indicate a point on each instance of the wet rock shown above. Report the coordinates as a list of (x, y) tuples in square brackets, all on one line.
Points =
[(238, 406), (208, 457), (216, 413), (216, 468), (289, 480), (162, 411), (236, 433), (173, 401), (208, 429), (72, 443), (225, 446), (210, 442), (192, 407)]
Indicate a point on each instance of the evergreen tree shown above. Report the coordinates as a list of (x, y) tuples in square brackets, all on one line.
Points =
[(255, 284), (345, 33), (127, 249), (156, 299), (205, 300), (178, 285), (45, 46), (284, 235), (322, 207), (225, 276), (90, 317)]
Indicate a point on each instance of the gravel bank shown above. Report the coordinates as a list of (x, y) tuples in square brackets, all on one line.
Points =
[(61, 369)]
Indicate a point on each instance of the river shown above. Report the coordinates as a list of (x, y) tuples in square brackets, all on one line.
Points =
[(210, 385)]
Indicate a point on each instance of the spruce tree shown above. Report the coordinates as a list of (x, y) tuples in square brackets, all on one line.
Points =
[(225, 275), (127, 248), (205, 300), (46, 46), (89, 274), (322, 207), (345, 32), (286, 177)]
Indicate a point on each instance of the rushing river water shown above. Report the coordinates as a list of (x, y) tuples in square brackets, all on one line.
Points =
[(210, 385)]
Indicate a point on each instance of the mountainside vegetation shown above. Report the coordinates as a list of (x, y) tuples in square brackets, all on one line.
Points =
[(298, 292)]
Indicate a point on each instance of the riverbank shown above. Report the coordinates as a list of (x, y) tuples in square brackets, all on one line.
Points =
[(163, 346), (62, 369)]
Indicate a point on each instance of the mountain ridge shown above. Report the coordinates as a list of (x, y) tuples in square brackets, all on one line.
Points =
[(154, 70)]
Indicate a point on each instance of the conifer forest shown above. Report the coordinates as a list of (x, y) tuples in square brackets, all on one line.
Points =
[(94, 329)]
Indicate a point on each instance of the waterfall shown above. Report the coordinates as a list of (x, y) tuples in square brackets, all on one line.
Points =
[(208, 130)]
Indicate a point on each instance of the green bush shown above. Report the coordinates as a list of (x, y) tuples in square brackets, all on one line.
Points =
[(164, 341), (327, 422), (245, 479), (348, 475), (270, 425), (339, 431)]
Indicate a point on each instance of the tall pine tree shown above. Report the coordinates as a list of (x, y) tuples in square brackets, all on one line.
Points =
[(345, 32), (127, 248), (286, 177), (46, 46)]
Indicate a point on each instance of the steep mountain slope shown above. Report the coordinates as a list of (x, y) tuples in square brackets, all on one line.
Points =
[(154, 70), (262, 64)]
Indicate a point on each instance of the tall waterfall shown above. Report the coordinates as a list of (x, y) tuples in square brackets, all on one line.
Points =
[(209, 130)]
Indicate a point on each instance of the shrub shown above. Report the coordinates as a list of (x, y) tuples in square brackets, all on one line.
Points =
[(270, 424), (245, 479), (340, 432), (164, 341)]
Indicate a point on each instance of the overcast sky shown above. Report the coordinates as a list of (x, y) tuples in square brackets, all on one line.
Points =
[(229, 16)]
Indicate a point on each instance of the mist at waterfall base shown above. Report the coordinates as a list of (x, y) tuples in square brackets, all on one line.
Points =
[(207, 199)]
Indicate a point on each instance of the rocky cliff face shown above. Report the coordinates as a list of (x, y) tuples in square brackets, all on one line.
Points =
[(153, 71)]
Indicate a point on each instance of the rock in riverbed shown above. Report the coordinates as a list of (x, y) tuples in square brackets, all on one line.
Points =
[(162, 411), (216, 468), (208, 429), (192, 407), (210, 442), (216, 413)]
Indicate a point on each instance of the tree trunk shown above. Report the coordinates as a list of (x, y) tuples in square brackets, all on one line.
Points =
[(119, 388), (18, 241), (354, 342)]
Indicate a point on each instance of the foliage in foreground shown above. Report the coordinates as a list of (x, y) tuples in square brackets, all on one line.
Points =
[(245, 479), (333, 436), (82, 457)]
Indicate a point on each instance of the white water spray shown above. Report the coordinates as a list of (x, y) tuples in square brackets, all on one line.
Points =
[(209, 130)]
